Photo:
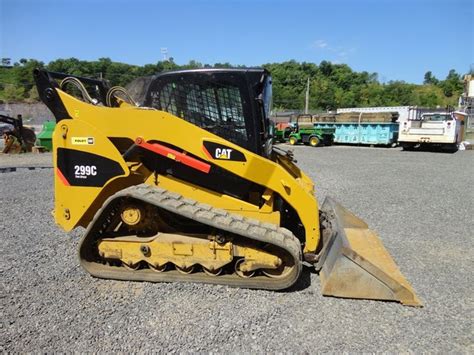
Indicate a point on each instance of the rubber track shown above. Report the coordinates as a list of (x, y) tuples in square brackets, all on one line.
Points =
[(202, 213)]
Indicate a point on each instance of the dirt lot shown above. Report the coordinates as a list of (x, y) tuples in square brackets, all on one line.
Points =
[(420, 203)]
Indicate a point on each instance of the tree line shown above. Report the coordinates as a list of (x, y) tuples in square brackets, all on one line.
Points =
[(330, 85)]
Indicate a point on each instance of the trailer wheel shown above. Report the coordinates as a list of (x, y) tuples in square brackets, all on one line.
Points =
[(314, 141), (293, 140)]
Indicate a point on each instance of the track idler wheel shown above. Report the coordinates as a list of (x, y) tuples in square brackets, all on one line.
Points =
[(241, 273), (131, 267), (283, 269), (185, 270), (214, 272), (158, 268)]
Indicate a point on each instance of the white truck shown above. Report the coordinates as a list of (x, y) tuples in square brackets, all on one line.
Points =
[(432, 129)]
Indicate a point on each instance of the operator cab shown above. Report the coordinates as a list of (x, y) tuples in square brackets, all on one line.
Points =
[(234, 104)]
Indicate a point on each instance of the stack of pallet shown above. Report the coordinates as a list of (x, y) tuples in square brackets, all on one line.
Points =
[(305, 119), (368, 117), (324, 117)]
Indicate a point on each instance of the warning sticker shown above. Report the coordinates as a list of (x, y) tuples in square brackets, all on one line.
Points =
[(82, 140)]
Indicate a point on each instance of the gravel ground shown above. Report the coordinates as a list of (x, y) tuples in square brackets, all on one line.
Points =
[(19, 160), (420, 203)]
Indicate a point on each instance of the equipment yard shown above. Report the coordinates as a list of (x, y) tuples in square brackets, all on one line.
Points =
[(420, 203)]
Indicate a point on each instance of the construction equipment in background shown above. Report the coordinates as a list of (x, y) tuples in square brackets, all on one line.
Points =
[(304, 131), (186, 185), (438, 129), (371, 128), (17, 138), (282, 131), (44, 139)]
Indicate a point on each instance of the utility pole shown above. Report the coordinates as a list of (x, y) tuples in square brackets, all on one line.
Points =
[(307, 98), (164, 51)]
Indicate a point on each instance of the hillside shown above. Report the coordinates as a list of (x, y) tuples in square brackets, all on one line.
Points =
[(331, 85)]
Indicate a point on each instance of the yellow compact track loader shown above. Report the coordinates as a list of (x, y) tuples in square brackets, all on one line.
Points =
[(186, 186)]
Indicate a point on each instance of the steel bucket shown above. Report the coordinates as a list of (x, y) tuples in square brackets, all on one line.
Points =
[(356, 263)]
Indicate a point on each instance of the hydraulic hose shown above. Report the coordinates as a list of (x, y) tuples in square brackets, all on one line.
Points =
[(119, 90), (78, 84)]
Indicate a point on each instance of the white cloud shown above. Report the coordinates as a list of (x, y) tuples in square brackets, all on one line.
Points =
[(339, 53), (320, 43)]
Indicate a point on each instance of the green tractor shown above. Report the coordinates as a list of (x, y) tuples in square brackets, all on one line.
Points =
[(305, 132), (282, 131), (45, 137)]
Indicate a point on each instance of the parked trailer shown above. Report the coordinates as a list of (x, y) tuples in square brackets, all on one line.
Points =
[(371, 133)]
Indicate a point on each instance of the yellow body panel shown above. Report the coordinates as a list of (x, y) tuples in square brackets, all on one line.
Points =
[(283, 178), (72, 202)]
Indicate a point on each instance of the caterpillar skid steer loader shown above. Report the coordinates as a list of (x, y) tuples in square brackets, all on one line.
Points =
[(186, 186)]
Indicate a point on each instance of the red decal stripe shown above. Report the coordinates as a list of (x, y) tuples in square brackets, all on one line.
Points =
[(62, 177), (174, 154)]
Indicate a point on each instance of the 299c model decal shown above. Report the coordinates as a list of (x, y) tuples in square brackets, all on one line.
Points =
[(221, 152), (83, 171), (77, 168)]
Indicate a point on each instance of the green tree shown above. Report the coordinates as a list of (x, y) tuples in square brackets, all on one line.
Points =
[(398, 93), (33, 95), (429, 79), (12, 93), (452, 85), (193, 65), (331, 85)]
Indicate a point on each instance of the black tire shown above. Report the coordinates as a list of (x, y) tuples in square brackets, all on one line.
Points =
[(408, 147), (451, 148)]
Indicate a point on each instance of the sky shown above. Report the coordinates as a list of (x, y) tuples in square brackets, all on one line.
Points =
[(399, 40)]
